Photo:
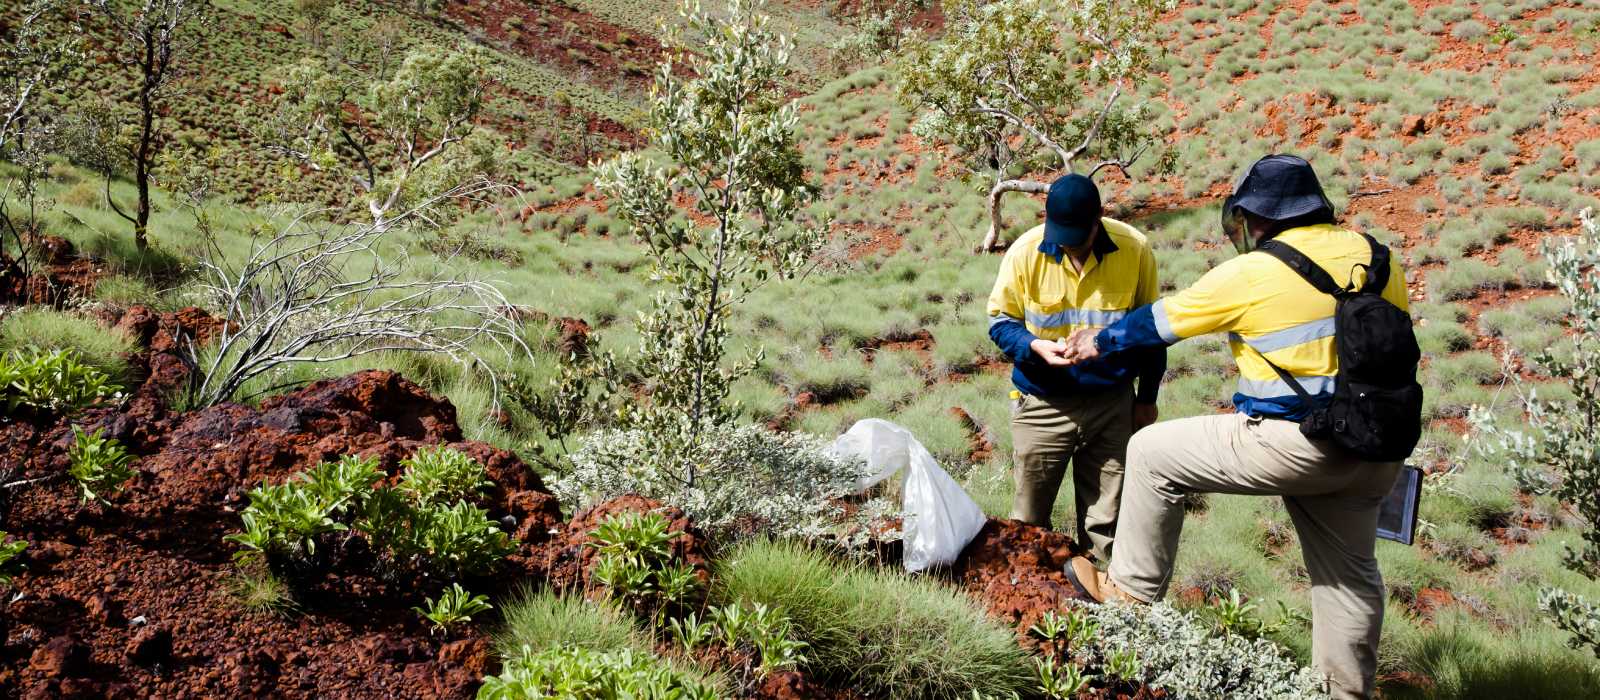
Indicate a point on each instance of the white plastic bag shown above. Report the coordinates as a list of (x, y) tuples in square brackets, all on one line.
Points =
[(939, 517)]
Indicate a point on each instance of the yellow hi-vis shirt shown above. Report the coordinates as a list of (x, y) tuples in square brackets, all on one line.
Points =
[(1035, 296), (1267, 308)]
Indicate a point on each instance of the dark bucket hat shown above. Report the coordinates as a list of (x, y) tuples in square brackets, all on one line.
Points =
[(1277, 187)]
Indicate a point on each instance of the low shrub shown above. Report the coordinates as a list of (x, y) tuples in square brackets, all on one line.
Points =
[(454, 607), (542, 620), (1178, 653), (55, 381), (287, 524), (750, 478), (98, 464), (586, 674), (883, 633), (10, 564), (635, 562)]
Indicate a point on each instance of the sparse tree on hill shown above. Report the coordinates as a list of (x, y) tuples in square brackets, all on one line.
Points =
[(315, 13), (31, 59), (403, 137), (1031, 86), (729, 134), (155, 39), (1561, 453)]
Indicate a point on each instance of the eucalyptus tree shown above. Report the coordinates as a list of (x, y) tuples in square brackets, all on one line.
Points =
[(721, 117), (1032, 86), (157, 39), (404, 135)]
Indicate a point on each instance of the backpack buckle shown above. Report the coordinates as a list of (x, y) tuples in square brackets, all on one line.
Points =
[(1338, 426)]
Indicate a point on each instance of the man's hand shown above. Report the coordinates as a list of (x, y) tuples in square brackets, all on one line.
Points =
[(1080, 347), (1144, 414), (1053, 352)]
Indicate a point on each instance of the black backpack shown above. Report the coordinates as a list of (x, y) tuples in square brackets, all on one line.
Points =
[(1376, 412)]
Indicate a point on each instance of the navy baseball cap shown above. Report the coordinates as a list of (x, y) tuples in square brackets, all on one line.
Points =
[(1071, 211)]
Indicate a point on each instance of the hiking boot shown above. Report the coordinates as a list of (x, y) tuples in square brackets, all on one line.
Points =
[(1093, 584)]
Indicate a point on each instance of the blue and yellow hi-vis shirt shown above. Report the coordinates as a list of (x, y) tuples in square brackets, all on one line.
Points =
[(1265, 308), (1036, 296)]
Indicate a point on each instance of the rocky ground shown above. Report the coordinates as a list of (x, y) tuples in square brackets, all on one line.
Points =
[(133, 599)]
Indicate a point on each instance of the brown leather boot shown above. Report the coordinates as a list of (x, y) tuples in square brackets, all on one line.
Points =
[(1093, 584)]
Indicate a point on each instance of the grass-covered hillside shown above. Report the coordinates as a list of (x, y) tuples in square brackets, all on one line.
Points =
[(1460, 133)]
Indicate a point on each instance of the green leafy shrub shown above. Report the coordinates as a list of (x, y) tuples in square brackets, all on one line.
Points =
[(786, 484), (55, 381), (766, 629), (284, 523), (883, 633), (585, 674), (10, 564), (441, 474), (455, 606), (99, 465), (635, 562)]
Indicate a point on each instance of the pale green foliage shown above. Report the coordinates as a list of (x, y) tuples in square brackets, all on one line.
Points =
[(1034, 85), (441, 474), (1060, 682), (404, 136), (765, 628), (1163, 647), (752, 480), (56, 382), (582, 674), (635, 562), (1563, 443), (284, 524), (100, 465), (729, 133), (455, 606), (10, 565)]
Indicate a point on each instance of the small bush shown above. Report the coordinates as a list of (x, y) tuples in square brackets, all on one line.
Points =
[(634, 562), (57, 381), (10, 564), (585, 674), (784, 484), (99, 465), (454, 607), (883, 633), (441, 475), (1177, 653)]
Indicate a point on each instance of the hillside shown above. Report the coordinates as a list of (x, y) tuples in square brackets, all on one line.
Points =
[(1463, 134)]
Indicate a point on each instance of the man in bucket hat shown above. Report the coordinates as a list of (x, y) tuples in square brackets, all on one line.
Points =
[(1273, 317), (1078, 270)]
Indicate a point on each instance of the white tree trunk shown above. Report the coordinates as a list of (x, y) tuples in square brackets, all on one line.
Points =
[(991, 240)]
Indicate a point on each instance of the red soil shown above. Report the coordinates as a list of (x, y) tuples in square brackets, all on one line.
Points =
[(1015, 570), (131, 600)]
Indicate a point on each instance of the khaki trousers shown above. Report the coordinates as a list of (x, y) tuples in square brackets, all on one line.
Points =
[(1091, 431), (1332, 498)]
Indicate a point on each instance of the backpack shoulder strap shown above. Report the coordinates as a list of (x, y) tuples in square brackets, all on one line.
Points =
[(1308, 269), (1378, 273)]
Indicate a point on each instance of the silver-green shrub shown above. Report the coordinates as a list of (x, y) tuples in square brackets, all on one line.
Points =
[(751, 480), (1562, 446), (1178, 653)]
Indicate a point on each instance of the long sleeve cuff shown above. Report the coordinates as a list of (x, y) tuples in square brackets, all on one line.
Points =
[(1013, 339), (1152, 368), (1141, 328)]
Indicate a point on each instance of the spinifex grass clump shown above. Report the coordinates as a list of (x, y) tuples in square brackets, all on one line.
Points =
[(883, 633), (412, 528)]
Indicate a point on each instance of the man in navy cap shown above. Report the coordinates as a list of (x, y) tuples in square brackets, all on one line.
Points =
[(1078, 270)]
